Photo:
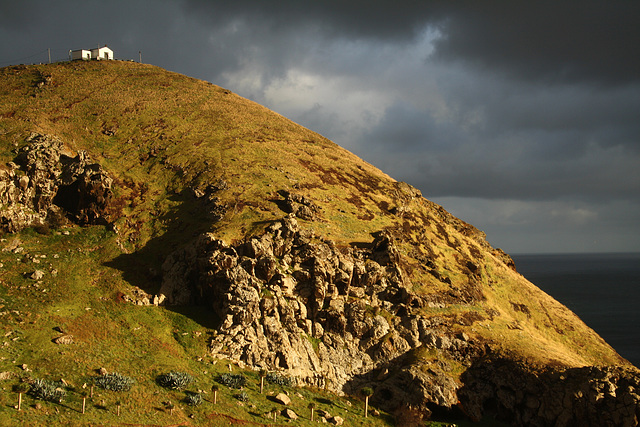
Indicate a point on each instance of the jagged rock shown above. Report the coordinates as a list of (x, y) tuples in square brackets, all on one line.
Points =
[(338, 421), (50, 185), (37, 275), (64, 340), (285, 300), (7, 375), (299, 205), (282, 399), (286, 303)]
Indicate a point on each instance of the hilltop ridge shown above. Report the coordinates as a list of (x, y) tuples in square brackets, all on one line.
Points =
[(299, 256)]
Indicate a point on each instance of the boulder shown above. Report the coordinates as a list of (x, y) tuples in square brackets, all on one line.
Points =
[(282, 399), (37, 275), (299, 205), (288, 413)]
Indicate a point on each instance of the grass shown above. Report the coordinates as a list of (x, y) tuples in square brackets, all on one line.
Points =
[(139, 342)]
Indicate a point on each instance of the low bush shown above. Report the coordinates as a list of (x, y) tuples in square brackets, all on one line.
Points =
[(243, 396), (232, 380), (193, 399), (47, 390), (279, 379), (175, 380), (114, 382)]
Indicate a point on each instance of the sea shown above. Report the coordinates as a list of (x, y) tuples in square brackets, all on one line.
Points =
[(602, 289)]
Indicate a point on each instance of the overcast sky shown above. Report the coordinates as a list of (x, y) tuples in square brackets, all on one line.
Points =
[(522, 118)]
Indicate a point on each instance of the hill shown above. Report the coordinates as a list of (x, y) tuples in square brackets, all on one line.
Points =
[(165, 223)]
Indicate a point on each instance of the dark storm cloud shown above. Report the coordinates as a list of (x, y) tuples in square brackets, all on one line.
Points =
[(332, 18), (551, 40), (444, 158), (548, 40)]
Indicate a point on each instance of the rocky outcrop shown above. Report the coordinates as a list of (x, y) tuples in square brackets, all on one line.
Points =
[(298, 205), (588, 396), (44, 186), (331, 317), (346, 317), (208, 196)]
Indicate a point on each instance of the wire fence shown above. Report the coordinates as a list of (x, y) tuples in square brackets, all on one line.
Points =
[(43, 57), (42, 54)]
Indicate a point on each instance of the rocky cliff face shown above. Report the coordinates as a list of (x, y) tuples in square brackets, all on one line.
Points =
[(44, 186), (588, 396), (346, 317), (328, 316)]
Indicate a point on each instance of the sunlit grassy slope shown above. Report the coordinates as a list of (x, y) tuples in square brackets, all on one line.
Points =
[(163, 136)]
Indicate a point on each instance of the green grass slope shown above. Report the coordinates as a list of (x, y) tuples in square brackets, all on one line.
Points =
[(163, 136)]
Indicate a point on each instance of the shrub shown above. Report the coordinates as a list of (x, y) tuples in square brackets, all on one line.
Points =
[(279, 379), (47, 390), (193, 399), (175, 380), (114, 382), (232, 380), (243, 396)]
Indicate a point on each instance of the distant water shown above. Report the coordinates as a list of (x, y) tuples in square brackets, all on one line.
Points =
[(602, 289)]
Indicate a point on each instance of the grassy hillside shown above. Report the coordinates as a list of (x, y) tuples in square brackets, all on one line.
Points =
[(164, 138)]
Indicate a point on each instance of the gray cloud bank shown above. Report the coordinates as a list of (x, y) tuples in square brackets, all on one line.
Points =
[(519, 117)]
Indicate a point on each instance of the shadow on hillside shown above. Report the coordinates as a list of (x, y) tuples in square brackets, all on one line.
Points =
[(499, 391), (398, 392), (143, 267)]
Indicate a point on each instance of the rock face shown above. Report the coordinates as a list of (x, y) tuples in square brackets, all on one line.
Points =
[(346, 317), (331, 317), (589, 396), (43, 186)]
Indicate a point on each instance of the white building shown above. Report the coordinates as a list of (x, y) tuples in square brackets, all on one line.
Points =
[(80, 54), (99, 53)]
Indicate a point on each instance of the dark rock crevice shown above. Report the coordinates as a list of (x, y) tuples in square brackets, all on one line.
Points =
[(43, 186)]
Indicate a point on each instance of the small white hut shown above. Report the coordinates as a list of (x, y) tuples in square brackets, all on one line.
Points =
[(101, 53), (80, 54)]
